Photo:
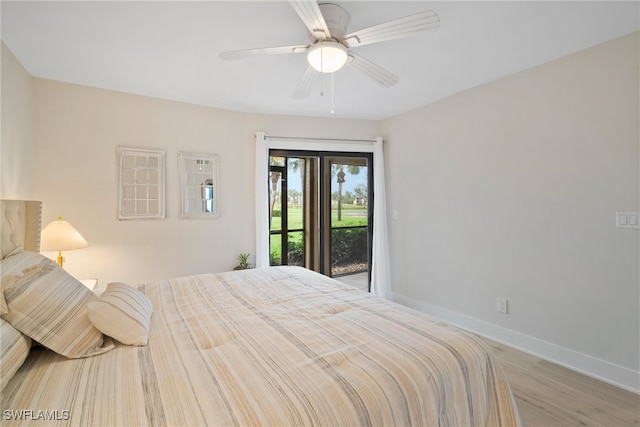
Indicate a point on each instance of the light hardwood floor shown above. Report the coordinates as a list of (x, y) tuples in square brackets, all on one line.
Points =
[(551, 395)]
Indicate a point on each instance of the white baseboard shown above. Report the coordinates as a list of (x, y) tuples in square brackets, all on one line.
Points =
[(588, 365)]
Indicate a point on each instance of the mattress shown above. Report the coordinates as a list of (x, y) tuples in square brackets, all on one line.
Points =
[(275, 347)]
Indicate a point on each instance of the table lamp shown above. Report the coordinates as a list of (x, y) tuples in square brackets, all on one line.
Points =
[(61, 236)]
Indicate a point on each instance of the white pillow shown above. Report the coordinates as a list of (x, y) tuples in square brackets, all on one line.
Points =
[(123, 313), (11, 267), (47, 304), (14, 349)]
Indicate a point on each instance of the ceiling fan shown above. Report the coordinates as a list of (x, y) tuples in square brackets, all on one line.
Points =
[(330, 48)]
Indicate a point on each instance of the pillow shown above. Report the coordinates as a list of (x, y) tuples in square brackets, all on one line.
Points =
[(123, 313), (14, 349), (47, 304), (17, 250), (6, 281), (12, 266)]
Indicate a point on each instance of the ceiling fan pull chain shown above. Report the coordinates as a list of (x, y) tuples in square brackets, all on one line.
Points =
[(332, 112), (321, 79)]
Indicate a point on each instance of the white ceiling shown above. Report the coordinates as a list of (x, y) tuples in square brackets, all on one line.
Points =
[(171, 49)]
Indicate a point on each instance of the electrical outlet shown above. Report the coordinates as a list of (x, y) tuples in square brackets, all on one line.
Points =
[(628, 220), (502, 306)]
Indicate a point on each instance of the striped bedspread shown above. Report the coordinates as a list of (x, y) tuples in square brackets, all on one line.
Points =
[(272, 347)]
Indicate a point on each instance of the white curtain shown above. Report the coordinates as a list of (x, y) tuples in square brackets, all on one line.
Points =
[(380, 272), (380, 266), (262, 201)]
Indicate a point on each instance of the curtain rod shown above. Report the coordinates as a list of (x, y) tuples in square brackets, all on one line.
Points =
[(302, 139)]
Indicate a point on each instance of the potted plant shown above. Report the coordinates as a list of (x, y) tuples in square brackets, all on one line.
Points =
[(243, 265)]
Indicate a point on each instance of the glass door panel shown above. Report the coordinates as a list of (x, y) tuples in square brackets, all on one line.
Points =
[(287, 225), (349, 248)]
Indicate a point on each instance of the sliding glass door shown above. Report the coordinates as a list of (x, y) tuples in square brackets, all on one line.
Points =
[(320, 212), (347, 218)]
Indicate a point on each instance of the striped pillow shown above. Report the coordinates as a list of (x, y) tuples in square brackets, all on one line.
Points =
[(12, 266), (123, 313), (14, 349), (47, 304)]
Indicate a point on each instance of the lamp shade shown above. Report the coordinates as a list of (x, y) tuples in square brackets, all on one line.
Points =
[(327, 56), (61, 236)]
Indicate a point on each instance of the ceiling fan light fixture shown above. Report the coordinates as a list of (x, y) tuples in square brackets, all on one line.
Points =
[(327, 56)]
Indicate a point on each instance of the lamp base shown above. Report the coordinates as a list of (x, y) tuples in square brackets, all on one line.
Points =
[(60, 259)]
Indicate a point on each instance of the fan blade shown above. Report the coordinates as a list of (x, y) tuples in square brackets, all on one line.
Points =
[(398, 28), (375, 72), (311, 15), (307, 82), (247, 53)]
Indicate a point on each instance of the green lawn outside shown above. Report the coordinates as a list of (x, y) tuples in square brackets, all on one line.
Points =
[(351, 216)]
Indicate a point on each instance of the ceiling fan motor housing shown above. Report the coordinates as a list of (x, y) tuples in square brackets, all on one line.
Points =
[(337, 19)]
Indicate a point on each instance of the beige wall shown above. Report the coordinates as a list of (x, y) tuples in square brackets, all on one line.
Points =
[(17, 144), (510, 190), (77, 129)]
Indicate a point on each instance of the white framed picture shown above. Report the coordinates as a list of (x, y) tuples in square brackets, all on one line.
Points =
[(141, 183)]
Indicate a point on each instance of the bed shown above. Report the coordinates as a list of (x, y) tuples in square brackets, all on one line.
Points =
[(274, 346)]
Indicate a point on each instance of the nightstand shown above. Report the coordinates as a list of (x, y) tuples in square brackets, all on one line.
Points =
[(97, 288), (89, 283)]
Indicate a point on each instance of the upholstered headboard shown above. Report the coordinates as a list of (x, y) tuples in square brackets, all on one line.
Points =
[(20, 225)]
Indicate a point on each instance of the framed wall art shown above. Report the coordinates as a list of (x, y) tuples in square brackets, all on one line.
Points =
[(141, 186)]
